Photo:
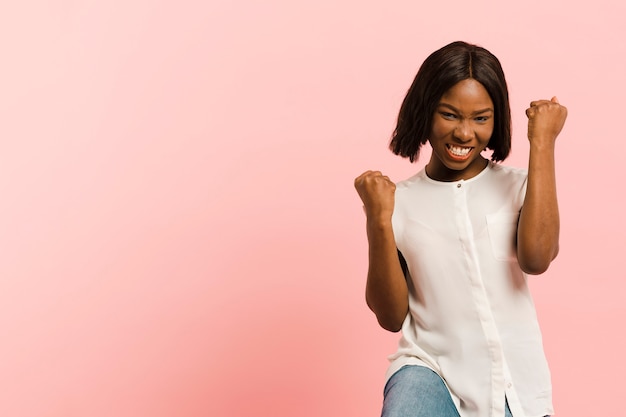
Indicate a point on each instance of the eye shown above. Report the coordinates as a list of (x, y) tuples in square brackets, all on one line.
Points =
[(447, 115), (481, 119)]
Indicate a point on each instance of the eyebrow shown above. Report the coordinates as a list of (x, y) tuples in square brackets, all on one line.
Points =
[(451, 107)]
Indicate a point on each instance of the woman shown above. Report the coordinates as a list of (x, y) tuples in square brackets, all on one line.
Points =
[(450, 247)]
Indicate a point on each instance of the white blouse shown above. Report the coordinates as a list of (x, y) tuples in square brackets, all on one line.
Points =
[(471, 316)]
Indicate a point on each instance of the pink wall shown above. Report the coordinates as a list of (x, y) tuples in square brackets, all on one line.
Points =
[(179, 235)]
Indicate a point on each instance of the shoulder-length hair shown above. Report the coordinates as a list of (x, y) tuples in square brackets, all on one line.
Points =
[(444, 68)]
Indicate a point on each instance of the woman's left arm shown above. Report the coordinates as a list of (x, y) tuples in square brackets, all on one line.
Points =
[(538, 228)]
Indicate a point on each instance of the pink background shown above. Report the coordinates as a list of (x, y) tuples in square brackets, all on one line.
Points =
[(179, 234)]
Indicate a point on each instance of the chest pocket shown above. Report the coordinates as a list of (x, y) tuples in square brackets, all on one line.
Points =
[(502, 229)]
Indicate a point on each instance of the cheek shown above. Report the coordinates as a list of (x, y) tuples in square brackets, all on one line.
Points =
[(485, 132), (438, 130)]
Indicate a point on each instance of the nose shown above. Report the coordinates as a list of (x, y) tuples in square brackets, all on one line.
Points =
[(463, 131)]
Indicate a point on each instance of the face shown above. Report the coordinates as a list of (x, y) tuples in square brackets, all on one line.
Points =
[(461, 128)]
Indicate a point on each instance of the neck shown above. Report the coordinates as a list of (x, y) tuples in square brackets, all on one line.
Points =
[(439, 172)]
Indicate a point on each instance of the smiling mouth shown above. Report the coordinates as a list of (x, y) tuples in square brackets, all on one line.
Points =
[(459, 152)]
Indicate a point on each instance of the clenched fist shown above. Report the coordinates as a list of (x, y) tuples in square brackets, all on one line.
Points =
[(377, 192), (545, 120)]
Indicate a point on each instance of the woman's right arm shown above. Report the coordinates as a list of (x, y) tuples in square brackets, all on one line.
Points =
[(386, 290)]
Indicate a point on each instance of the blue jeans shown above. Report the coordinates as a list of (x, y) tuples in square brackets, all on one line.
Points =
[(417, 391)]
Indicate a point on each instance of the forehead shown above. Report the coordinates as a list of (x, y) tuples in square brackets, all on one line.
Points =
[(467, 93)]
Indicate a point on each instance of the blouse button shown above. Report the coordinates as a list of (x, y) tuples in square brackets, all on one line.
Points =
[(458, 185)]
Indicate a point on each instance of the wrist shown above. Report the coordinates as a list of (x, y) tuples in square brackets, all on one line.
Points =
[(543, 144), (379, 222)]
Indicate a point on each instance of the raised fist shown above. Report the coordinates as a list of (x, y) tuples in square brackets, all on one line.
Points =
[(377, 192), (545, 120)]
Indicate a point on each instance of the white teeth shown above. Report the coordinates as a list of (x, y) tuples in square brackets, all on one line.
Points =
[(458, 150)]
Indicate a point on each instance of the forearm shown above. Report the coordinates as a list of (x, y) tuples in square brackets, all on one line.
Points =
[(386, 290), (538, 229)]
